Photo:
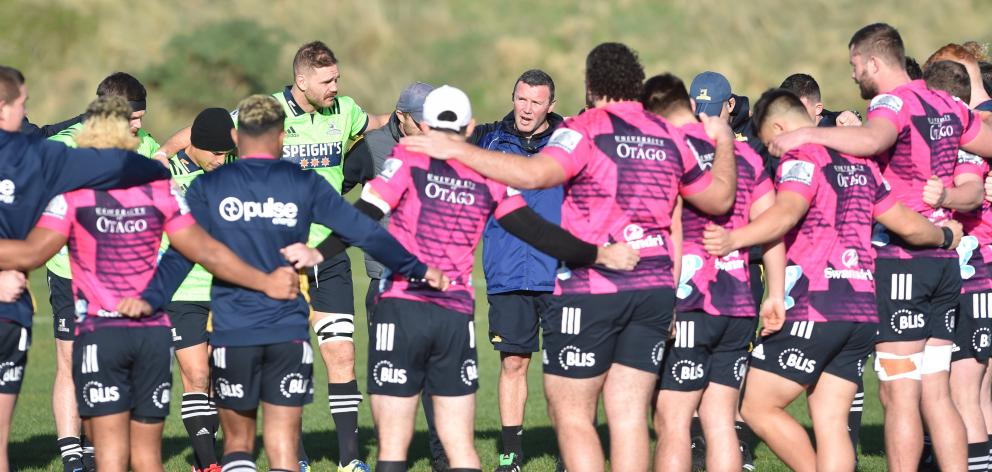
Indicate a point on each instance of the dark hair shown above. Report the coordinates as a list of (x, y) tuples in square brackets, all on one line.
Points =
[(951, 77), (882, 41), (313, 55), (11, 81), (913, 69), (536, 78), (773, 103), (614, 72), (986, 69), (803, 85), (260, 114), (124, 85), (664, 94)]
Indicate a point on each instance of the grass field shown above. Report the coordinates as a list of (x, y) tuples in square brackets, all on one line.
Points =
[(32, 442)]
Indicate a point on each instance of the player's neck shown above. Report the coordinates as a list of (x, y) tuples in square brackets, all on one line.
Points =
[(681, 117), (301, 99), (893, 79)]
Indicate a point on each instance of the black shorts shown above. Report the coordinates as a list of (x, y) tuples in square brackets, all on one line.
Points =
[(331, 289), (802, 350), (707, 349), (189, 323), (278, 374), (123, 369), (917, 298), (415, 346), (973, 336), (515, 320), (63, 308), (14, 343), (585, 334)]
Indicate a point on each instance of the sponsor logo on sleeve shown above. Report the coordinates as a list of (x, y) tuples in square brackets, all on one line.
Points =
[(797, 171), (389, 168), (965, 157), (180, 200), (57, 207), (885, 100), (565, 139)]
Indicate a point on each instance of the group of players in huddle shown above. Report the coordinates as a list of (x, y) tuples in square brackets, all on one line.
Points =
[(625, 238)]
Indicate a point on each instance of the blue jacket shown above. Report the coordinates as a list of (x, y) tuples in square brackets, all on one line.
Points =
[(34, 170), (509, 263), (256, 207)]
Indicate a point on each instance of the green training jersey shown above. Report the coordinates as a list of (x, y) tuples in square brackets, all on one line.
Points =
[(318, 141), (59, 264)]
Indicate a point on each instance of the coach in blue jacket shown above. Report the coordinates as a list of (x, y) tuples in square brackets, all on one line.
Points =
[(519, 278)]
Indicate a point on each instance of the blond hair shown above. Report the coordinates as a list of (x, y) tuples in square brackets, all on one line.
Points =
[(107, 125), (260, 114)]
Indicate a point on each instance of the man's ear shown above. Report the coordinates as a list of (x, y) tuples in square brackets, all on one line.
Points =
[(818, 108), (692, 104), (301, 82), (552, 107), (732, 103), (470, 128)]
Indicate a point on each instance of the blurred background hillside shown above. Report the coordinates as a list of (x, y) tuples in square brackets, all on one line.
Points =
[(197, 53)]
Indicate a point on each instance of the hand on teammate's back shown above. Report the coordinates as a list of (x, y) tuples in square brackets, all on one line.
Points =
[(957, 229), (437, 144), (436, 279), (12, 284), (284, 284), (772, 315), (934, 192), (301, 256), (716, 128), (133, 307), (848, 118), (988, 187), (619, 256), (717, 241)]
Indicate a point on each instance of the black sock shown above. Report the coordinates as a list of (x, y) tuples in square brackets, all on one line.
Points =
[(213, 421), (978, 456), (464, 469), (390, 466), (343, 400), (437, 449), (513, 441), (238, 462), (196, 414), (695, 427), (301, 452), (926, 457), (89, 459), (854, 417), (745, 434), (72, 453)]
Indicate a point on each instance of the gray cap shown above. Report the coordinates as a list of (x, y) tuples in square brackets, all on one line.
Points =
[(412, 99)]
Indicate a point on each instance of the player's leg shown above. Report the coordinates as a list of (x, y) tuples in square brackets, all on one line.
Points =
[(985, 398), (854, 415), (146, 444), (719, 408), (151, 384), (456, 427), (189, 339), (765, 400), (112, 442), (333, 320), (829, 404), (572, 405), (67, 422), (281, 434), (969, 362), (239, 439), (287, 375), (394, 419), (235, 374), (14, 343)]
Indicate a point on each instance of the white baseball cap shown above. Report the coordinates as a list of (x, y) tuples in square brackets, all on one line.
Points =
[(447, 108)]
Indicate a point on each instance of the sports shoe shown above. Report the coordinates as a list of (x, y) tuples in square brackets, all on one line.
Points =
[(747, 458), (217, 468), (698, 445), (304, 466), (355, 466), (508, 463), (440, 464)]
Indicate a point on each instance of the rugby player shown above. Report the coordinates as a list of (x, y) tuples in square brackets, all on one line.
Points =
[(915, 134), (606, 334), (715, 319), (33, 171), (123, 365), (824, 207)]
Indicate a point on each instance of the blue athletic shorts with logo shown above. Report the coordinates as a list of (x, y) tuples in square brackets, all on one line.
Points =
[(803, 350), (917, 298), (515, 320), (585, 334), (707, 348), (278, 374), (14, 343), (63, 308)]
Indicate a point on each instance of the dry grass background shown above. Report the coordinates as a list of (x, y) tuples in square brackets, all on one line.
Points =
[(67, 46)]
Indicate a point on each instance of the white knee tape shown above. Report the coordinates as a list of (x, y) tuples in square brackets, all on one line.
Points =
[(335, 327), (896, 367), (936, 359)]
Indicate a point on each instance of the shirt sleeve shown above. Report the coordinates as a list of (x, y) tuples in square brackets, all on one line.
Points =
[(696, 175), (508, 200), (196, 201), (972, 123), (889, 107), (571, 147), (358, 166), (59, 215), (359, 120), (798, 173), (173, 205), (67, 169), (884, 200), (969, 163), (394, 179)]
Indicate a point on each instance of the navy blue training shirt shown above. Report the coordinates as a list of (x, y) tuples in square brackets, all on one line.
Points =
[(257, 206), (34, 170)]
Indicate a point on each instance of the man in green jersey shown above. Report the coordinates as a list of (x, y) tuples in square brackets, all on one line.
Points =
[(210, 147), (67, 422), (319, 125)]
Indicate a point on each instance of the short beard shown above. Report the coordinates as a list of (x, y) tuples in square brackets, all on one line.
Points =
[(868, 88)]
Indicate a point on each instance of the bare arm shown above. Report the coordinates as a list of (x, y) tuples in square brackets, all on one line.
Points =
[(965, 195), (677, 240), (768, 227), (875, 136), (718, 197), (40, 245), (911, 226), (982, 144), (177, 142)]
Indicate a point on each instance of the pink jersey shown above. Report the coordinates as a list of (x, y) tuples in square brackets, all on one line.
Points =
[(830, 272), (114, 237), (625, 168), (440, 209), (975, 250), (719, 285), (931, 126)]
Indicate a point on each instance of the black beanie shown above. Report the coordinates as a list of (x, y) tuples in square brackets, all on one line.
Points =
[(212, 130)]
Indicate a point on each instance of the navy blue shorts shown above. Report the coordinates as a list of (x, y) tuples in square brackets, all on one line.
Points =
[(515, 320), (706, 349), (803, 350)]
